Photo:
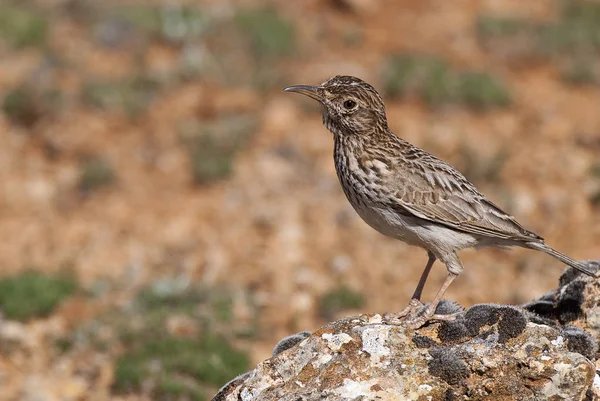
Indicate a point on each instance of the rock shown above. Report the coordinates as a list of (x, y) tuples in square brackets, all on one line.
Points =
[(575, 301), (290, 341), (490, 352)]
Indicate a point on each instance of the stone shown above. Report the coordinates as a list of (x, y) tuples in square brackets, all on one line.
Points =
[(544, 350)]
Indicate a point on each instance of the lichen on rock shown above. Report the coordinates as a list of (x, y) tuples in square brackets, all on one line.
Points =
[(489, 352)]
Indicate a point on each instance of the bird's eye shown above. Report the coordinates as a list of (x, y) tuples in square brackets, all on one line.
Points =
[(349, 104)]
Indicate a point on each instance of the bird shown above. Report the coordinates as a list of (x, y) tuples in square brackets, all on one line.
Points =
[(408, 194)]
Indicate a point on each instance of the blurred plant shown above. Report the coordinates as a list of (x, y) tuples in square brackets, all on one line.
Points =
[(246, 49), (572, 42), (21, 107), (21, 28), (179, 389), (222, 307), (426, 75), (340, 299), (400, 75), (171, 23), (212, 148), (174, 365), (576, 31), (25, 105), (241, 48), (271, 36), (480, 91), (144, 17), (63, 344), (437, 87), (33, 294), (432, 80), (489, 27), (580, 72), (131, 95), (173, 341), (95, 173), (171, 365)]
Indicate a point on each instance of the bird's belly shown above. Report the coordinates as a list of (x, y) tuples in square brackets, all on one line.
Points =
[(375, 217), (369, 208), (409, 229)]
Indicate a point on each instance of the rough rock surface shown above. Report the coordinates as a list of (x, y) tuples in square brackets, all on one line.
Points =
[(540, 351)]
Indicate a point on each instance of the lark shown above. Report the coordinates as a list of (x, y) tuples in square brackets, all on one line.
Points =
[(406, 193)]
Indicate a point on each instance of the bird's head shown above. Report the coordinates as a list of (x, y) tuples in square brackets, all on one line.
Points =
[(350, 105)]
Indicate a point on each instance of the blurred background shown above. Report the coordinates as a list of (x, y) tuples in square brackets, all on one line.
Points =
[(167, 213)]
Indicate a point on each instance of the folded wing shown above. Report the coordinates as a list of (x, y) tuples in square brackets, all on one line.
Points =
[(438, 193)]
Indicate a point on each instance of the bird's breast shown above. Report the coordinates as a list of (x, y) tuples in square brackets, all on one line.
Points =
[(363, 188)]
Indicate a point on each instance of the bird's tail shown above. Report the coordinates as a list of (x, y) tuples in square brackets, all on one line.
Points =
[(582, 267)]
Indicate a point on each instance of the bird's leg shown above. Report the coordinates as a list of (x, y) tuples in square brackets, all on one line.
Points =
[(429, 313), (423, 279), (415, 304)]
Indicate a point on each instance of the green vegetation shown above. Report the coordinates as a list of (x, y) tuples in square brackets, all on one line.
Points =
[(146, 18), (63, 344), (250, 45), (580, 72), (170, 388), (492, 27), (240, 49), (270, 34), (33, 294), (21, 27), (481, 91), (404, 73), (237, 49), (25, 105), (209, 360), (132, 95), (340, 299), (572, 42), (212, 148), (434, 82), (96, 172), (21, 107), (177, 366), (173, 341), (577, 30), (174, 24)]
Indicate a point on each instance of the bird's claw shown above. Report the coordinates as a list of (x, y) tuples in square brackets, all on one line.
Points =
[(413, 308), (414, 317), (420, 320)]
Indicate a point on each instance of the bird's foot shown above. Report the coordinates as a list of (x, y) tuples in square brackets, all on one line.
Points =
[(416, 314), (420, 320), (413, 308)]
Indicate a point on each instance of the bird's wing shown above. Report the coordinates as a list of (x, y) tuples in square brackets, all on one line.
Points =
[(438, 193)]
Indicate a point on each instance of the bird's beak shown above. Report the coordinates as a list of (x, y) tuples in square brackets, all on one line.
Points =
[(310, 91)]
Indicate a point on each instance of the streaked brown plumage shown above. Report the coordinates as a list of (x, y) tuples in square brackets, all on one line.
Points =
[(406, 193)]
